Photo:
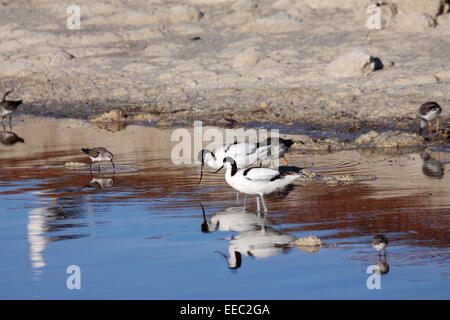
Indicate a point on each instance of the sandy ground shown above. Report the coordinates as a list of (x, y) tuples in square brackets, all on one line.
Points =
[(227, 61)]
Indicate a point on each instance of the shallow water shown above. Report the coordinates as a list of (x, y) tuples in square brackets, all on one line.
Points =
[(137, 233)]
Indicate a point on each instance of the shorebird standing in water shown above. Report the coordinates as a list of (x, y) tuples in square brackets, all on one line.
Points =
[(99, 154), (245, 153), (256, 181), (380, 242), (427, 112), (8, 107)]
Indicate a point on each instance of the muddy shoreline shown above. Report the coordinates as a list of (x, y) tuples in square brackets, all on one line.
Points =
[(229, 62)]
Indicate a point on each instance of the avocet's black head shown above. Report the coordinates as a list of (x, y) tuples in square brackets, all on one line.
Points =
[(233, 164), (234, 262), (230, 160)]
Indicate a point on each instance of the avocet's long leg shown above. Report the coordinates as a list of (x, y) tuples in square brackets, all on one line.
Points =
[(245, 201), (257, 204), (264, 204), (237, 197)]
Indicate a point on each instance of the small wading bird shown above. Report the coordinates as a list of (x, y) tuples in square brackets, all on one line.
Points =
[(10, 138), (8, 107), (431, 167), (427, 112), (99, 154), (245, 153), (256, 181), (380, 242)]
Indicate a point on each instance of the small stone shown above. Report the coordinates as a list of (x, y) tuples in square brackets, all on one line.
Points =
[(247, 58), (309, 244), (74, 165), (114, 115)]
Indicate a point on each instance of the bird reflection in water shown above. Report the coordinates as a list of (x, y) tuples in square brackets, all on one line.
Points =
[(431, 166), (231, 219), (10, 138), (380, 243), (382, 266), (100, 182), (53, 221), (255, 237)]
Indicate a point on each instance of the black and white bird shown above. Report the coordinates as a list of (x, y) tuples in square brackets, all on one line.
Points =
[(97, 155), (256, 181), (7, 107), (263, 242), (245, 153), (427, 112), (380, 242)]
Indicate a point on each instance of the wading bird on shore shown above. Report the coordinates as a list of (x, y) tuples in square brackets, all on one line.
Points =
[(245, 153), (427, 112), (7, 107), (98, 154), (256, 181)]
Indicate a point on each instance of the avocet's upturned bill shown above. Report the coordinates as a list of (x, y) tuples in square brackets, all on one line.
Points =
[(257, 181)]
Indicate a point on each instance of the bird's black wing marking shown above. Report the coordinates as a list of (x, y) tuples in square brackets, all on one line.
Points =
[(11, 105)]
